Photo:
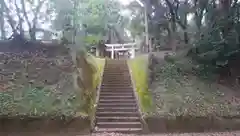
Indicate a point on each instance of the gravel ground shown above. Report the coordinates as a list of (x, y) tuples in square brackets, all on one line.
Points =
[(237, 133)]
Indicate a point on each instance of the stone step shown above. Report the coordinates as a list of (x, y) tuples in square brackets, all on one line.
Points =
[(117, 81), (117, 107), (120, 83), (119, 86), (117, 101), (116, 85), (120, 76), (117, 114), (119, 130), (119, 124), (113, 70), (116, 78), (116, 97), (118, 91), (114, 81), (110, 90), (117, 119), (116, 73), (117, 104), (110, 66), (122, 109), (117, 94)]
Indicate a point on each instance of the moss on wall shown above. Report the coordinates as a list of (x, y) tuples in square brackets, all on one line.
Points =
[(139, 69), (99, 63), (88, 78)]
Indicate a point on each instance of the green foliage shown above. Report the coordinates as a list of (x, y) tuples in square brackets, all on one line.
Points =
[(214, 51), (39, 102)]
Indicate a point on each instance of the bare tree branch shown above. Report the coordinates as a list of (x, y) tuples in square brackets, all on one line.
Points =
[(10, 20), (25, 13), (34, 22), (19, 17)]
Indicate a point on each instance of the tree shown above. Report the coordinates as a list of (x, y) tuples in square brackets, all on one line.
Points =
[(217, 22), (2, 22), (36, 11), (136, 25), (167, 16), (21, 12), (96, 15)]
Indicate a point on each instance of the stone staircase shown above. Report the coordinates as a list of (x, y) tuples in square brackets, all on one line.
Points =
[(117, 109)]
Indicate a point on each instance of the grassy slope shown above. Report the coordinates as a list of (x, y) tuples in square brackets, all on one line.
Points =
[(44, 102), (139, 68)]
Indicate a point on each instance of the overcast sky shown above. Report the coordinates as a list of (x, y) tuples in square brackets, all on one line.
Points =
[(125, 2)]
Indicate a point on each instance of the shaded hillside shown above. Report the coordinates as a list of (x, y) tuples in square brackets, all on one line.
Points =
[(38, 66), (182, 101), (42, 78)]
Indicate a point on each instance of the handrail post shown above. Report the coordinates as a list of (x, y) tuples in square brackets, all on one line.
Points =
[(112, 53)]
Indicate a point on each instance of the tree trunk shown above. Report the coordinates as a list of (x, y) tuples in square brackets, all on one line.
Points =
[(32, 30), (3, 34), (32, 33), (225, 10), (173, 41), (185, 37), (185, 30), (2, 23), (198, 17), (173, 35), (198, 23)]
